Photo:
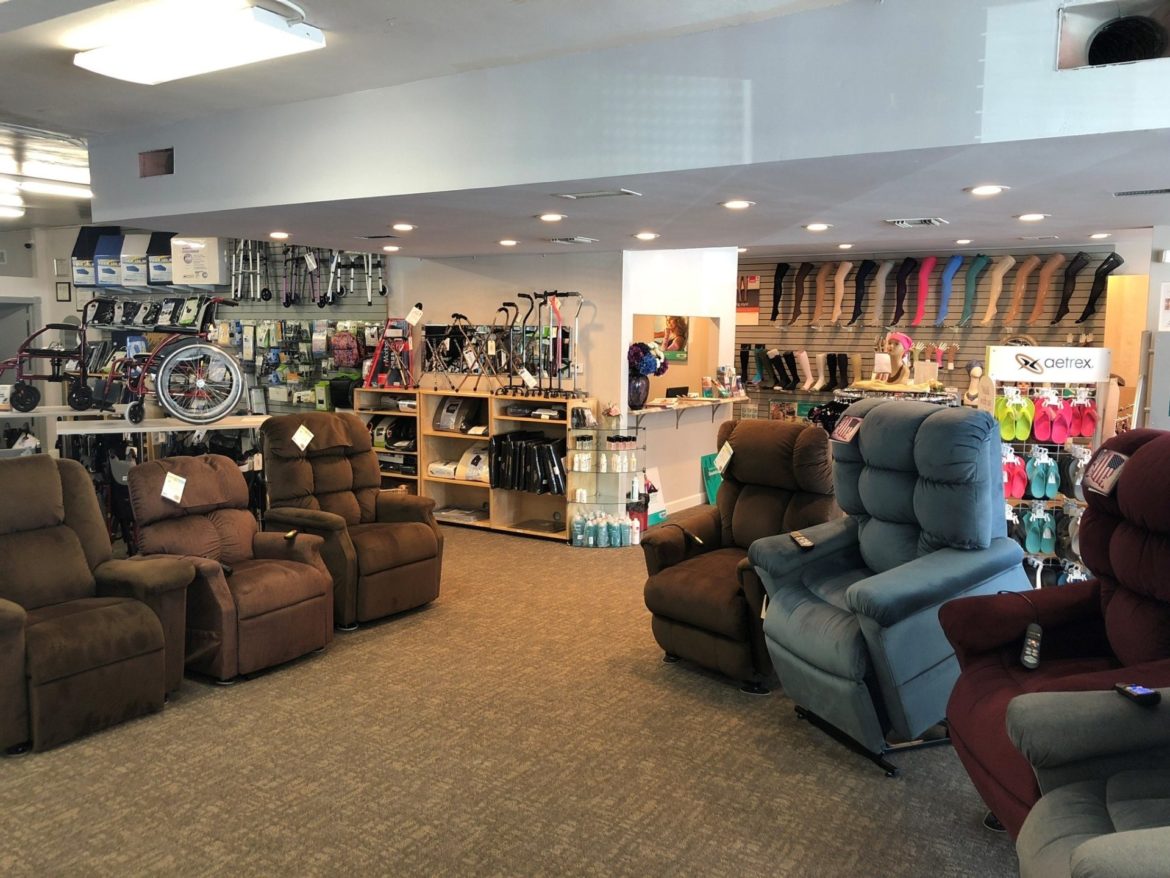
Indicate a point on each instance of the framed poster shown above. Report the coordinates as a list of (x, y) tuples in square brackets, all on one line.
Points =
[(64, 291), (673, 333)]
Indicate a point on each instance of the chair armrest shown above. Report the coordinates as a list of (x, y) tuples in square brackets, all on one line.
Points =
[(983, 623), (667, 544), (142, 578), (12, 617), (303, 548), (777, 556), (307, 519), (899, 593), (398, 506), (1057, 729), (14, 725), (1138, 853)]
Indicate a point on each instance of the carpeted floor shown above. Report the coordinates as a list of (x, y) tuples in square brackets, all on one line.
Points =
[(524, 724)]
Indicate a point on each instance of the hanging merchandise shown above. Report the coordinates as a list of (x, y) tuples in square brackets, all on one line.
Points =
[(777, 288), (1020, 288), (908, 267), (948, 280), (860, 283), (971, 287), (999, 267), (839, 278), (1044, 285), (801, 277), (880, 288), (925, 270), (821, 283), (1075, 267), (1100, 279)]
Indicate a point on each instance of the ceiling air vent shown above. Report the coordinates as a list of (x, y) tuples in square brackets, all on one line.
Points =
[(1040, 237), (918, 223), (1130, 193), (576, 239), (378, 237), (600, 193)]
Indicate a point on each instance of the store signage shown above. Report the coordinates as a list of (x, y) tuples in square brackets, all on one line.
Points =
[(1038, 365)]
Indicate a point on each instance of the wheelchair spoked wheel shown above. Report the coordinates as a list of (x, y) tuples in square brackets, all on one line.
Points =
[(24, 397), (199, 383)]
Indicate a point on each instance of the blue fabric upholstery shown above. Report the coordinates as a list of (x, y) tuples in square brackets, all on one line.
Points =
[(852, 625)]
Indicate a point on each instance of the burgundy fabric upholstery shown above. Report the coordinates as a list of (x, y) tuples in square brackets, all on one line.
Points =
[(704, 597), (1113, 629)]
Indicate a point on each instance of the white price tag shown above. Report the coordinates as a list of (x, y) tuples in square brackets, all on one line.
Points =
[(724, 456), (302, 437), (414, 316), (310, 262), (491, 347), (172, 488), (527, 378), (469, 358)]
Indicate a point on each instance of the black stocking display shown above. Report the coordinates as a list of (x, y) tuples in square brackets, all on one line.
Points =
[(1100, 280), (801, 274), (860, 283), (908, 267), (1075, 267), (777, 288)]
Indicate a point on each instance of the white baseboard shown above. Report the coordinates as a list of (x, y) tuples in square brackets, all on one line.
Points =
[(699, 499)]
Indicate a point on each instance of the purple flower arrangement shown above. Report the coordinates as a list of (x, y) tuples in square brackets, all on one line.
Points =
[(646, 359)]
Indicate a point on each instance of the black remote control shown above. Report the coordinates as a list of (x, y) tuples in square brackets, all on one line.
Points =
[(1030, 656), (801, 540), (1142, 695)]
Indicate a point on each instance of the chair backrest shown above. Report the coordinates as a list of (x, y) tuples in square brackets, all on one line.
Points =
[(920, 477), (337, 471), (52, 534), (780, 479), (1125, 541), (211, 518)]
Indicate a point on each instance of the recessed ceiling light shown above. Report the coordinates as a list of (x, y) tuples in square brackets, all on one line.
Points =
[(818, 227), (844, 246), (552, 217), (508, 242), (279, 236), (742, 249), (983, 190), (403, 227), (11, 212), (1031, 217), (391, 248), (737, 204), (646, 236), (963, 241), (64, 189), (1100, 236)]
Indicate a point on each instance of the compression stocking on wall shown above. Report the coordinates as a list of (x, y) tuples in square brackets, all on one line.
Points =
[(924, 273), (1044, 285), (880, 284), (903, 285), (868, 267), (807, 378), (1001, 266), (1020, 288), (777, 288), (790, 362), (802, 274), (745, 352), (1075, 267), (948, 286), (972, 286), (768, 377), (839, 278), (822, 287), (1100, 281), (783, 380)]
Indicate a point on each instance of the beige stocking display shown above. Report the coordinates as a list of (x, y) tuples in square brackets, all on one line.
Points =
[(1044, 285), (843, 269), (1020, 288), (822, 283), (1001, 266)]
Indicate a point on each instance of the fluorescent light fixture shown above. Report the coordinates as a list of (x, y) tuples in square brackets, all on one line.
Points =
[(646, 236), (47, 169), (984, 190), (742, 249), (844, 246), (40, 187), (403, 227), (9, 200), (818, 227), (1100, 236), (1031, 217), (11, 212), (391, 248), (963, 241), (551, 217), (508, 242), (188, 245), (193, 43), (737, 204), (279, 236)]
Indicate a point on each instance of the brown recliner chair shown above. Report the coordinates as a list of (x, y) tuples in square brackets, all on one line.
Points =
[(258, 599), (383, 548), (85, 641), (705, 597)]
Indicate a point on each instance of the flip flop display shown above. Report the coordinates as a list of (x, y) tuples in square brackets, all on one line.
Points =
[(1089, 420), (1024, 412), (1042, 423), (1061, 423)]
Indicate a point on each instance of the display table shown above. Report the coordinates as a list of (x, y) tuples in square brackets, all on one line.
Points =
[(156, 425), (58, 411), (682, 404)]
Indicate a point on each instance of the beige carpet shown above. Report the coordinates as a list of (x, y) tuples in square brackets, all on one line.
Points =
[(524, 724)]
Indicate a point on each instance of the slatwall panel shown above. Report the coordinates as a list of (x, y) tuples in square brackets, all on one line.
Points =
[(858, 340)]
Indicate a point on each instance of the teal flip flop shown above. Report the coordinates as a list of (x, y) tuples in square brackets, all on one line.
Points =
[(1037, 478), (1035, 533), (1052, 482), (1047, 534)]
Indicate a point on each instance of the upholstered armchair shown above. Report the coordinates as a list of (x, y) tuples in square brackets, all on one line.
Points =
[(1112, 629), (383, 548), (85, 641), (258, 599), (1103, 764), (852, 624), (704, 596)]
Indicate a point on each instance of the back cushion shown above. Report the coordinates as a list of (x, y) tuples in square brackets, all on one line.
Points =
[(1125, 541), (336, 472), (211, 520), (43, 561), (919, 478)]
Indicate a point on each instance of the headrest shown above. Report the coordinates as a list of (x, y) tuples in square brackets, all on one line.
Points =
[(1140, 495), (331, 431), (212, 482), (778, 454), (31, 491)]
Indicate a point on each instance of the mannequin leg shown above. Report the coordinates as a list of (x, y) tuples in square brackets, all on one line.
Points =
[(1100, 280), (777, 361), (909, 264), (1070, 284), (790, 362), (831, 363), (819, 384), (1044, 286), (744, 354), (801, 276), (843, 379), (807, 379), (778, 288), (843, 269)]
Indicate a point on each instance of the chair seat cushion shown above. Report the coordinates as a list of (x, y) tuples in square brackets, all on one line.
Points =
[(66, 639), (704, 592), (263, 585), (384, 545)]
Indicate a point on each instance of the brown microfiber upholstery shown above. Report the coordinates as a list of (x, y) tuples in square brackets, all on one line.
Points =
[(270, 609), (83, 639), (705, 603), (383, 548)]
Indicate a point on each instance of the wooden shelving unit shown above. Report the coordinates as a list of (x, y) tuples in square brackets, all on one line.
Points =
[(370, 402)]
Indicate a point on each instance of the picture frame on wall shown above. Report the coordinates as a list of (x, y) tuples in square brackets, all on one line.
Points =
[(672, 332), (82, 301), (64, 291)]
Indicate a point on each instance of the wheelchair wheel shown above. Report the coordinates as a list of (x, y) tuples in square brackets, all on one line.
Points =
[(80, 396), (199, 383), (24, 397), (136, 412)]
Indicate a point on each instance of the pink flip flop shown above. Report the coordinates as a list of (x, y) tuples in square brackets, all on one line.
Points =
[(1089, 419), (1060, 424), (1042, 425), (1078, 419)]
